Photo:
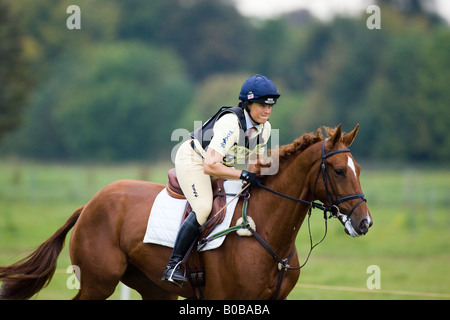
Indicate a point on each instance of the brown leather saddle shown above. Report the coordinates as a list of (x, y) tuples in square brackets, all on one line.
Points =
[(194, 266), (219, 201)]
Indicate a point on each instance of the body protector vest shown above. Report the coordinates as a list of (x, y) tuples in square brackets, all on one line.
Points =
[(205, 134)]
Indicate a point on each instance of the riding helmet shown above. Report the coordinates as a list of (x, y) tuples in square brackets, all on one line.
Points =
[(259, 89)]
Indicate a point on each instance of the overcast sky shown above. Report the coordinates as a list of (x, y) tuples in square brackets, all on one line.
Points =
[(323, 9)]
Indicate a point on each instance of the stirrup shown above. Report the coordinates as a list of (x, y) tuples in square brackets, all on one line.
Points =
[(171, 279)]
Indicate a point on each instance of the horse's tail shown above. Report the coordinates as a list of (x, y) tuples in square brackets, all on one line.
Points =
[(28, 276)]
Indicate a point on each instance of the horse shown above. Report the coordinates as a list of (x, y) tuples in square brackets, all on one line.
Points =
[(107, 246)]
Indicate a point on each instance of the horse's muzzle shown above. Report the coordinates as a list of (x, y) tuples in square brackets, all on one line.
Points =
[(359, 231)]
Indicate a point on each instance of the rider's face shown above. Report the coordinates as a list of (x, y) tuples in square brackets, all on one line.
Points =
[(260, 112)]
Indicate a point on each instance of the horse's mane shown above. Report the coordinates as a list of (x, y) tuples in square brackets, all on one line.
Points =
[(299, 145)]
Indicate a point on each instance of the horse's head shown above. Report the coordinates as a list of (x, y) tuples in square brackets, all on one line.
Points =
[(337, 183)]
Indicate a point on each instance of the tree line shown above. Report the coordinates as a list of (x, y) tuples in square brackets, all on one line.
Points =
[(137, 70)]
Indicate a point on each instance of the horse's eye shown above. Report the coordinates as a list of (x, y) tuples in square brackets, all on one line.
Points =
[(339, 172)]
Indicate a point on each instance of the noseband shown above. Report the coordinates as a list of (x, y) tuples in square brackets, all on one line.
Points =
[(334, 204)]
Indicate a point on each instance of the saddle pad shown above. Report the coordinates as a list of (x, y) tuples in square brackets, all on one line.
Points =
[(165, 218)]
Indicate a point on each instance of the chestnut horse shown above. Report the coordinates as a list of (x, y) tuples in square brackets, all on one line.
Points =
[(106, 241)]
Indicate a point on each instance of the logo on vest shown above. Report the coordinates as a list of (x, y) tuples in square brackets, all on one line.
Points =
[(224, 140)]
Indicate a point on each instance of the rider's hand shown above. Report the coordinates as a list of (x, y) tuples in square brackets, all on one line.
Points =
[(250, 177)]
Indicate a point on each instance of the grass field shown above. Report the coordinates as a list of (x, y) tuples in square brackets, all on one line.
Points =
[(409, 242)]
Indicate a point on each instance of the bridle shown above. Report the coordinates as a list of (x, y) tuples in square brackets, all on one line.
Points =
[(333, 206)]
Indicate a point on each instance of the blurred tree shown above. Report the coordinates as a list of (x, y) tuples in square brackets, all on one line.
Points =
[(108, 102), (15, 79), (339, 64), (415, 8), (210, 36), (102, 86), (211, 94), (280, 50), (392, 105), (383, 80), (46, 33), (408, 103), (433, 81), (265, 56)]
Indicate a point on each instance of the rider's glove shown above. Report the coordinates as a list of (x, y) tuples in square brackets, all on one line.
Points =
[(249, 177)]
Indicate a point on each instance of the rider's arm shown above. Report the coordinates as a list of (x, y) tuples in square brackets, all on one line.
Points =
[(213, 166), (226, 134)]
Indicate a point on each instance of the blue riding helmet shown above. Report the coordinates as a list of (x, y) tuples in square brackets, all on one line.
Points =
[(259, 89)]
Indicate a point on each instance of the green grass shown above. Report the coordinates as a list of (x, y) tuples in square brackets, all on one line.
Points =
[(409, 240), (36, 199)]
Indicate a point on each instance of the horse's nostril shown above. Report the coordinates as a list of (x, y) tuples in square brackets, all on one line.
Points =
[(364, 226)]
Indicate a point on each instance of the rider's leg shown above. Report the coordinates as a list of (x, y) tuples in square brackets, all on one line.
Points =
[(187, 234), (195, 184), (197, 188)]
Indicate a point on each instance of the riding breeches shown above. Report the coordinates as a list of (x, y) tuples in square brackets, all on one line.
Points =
[(195, 184)]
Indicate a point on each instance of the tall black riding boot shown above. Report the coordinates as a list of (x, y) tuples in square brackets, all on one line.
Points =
[(189, 231)]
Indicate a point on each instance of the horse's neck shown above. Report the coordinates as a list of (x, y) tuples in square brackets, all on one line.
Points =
[(281, 217)]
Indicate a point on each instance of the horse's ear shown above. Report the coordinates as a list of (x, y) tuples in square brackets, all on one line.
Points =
[(350, 137), (336, 137)]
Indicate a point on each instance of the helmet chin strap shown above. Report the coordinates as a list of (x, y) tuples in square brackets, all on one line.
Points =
[(250, 115)]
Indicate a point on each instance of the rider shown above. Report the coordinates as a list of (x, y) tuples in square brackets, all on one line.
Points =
[(200, 160)]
